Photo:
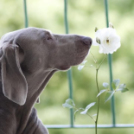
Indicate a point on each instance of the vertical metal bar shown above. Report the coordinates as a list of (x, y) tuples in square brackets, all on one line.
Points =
[(25, 13), (110, 67), (69, 73)]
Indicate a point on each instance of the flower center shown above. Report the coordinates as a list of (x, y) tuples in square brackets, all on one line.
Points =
[(107, 41)]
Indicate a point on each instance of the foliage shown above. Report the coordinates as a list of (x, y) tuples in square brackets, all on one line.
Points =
[(83, 17)]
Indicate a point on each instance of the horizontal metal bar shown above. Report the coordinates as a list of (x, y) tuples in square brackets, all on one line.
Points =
[(90, 126)]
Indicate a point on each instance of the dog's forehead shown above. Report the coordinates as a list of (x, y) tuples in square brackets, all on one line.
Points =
[(37, 31), (34, 33), (26, 32)]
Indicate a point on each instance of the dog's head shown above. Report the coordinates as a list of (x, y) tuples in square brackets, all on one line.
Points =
[(33, 51), (52, 51)]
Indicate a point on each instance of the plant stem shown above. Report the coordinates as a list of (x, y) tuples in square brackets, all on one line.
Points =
[(90, 117), (77, 109), (102, 60), (98, 90), (95, 61), (98, 101)]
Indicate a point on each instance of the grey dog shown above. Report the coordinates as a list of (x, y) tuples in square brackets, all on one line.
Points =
[(28, 59)]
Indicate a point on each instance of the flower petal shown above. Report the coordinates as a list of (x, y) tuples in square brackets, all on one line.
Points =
[(95, 43), (109, 39)]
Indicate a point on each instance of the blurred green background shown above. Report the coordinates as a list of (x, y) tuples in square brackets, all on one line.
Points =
[(83, 17)]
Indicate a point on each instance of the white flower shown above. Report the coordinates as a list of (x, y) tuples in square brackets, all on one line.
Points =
[(107, 39)]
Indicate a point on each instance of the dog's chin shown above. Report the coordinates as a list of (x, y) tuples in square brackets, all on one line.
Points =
[(80, 58), (78, 61), (63, 67)]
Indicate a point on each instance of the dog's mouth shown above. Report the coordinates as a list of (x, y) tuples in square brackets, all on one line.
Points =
[(82, 49)]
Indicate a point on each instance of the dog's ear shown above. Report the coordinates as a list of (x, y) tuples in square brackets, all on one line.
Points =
[(14, 84)]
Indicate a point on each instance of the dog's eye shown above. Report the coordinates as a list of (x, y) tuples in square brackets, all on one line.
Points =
[(48, 36)]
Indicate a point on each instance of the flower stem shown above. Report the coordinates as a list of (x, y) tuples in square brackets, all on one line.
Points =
[(95, 61), (77, 109), (102, 60), (98, 101), (98, 90), (90, 117)]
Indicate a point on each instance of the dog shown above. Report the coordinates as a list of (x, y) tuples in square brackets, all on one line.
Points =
[(28, 59)]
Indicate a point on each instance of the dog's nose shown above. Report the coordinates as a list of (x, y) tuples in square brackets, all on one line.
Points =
[(87, 41)]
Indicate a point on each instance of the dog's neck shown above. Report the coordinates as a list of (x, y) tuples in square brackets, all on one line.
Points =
[(33, 94), (37, 84)]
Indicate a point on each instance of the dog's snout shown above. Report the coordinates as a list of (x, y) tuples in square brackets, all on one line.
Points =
[(87, 41)]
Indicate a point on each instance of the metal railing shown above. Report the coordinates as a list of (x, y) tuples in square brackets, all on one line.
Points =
[(69, 74)]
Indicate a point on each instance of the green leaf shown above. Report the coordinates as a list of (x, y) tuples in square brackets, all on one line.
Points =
[(102, 91), (124, 90), (115, 83), (122, 86), (109, 95), (77, 111), (98, 40), (69, 103), (80, 67), (94, 115), (88, 107), (96, 29), (119, 89), (105, 85), (84, 62)]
